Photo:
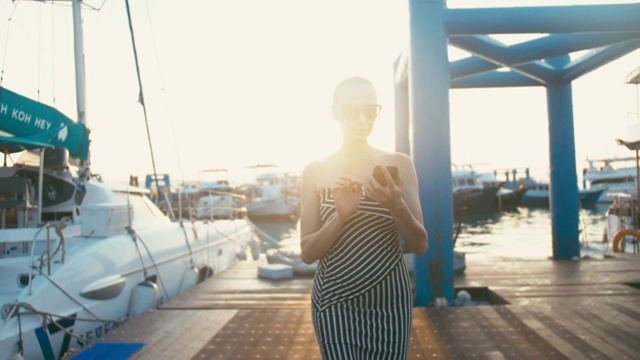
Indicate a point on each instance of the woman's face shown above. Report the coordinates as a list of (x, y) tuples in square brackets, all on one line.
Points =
[(356, 109)]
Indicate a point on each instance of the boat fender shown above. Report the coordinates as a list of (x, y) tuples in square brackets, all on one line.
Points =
[(144, 297), (189, 279), (255, 249), (204, 273), (618, 238), (16, 357)]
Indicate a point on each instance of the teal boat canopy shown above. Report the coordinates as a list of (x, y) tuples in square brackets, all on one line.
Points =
[(34, 125), (10, 145)]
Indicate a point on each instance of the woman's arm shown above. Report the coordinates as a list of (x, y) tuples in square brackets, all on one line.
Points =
[(317, 238), (403, 202), (408, 213)]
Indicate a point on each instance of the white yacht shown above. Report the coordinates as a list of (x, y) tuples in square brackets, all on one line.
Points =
[(601, 174), (78, 255)]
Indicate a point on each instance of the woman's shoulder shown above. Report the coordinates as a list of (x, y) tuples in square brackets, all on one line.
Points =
[(393, 157), (316, 171), (316, 175), (314, 167)]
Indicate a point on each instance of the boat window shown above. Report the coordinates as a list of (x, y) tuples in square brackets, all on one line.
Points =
[(55, 191), (613, 181)]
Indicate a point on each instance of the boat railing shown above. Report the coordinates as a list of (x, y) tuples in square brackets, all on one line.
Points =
[(210, 192), (41, 249), (15, 202), (225, 212), (35, 247), (624, 206)]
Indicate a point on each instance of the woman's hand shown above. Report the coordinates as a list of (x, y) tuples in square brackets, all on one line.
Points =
[(346, 193), (389, 196)]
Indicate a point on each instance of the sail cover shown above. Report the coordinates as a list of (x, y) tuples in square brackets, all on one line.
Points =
[(31, 123)]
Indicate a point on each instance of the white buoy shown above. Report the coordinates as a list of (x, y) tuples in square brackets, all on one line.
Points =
[(463, 298), (440, 302), (144, 297), (255, 249), (189, 279)]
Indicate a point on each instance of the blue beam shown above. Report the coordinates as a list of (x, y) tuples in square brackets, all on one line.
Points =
[(495, 52), (431, 148), (471, 65), (536, 20), (493, 79), (520, 58), (597, 58)]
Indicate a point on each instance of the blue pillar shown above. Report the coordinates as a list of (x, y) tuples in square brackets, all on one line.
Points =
[(430, 146), (402, 118), (563, 186)]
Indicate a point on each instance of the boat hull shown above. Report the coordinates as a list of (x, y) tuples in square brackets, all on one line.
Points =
[(475, 200), (540, 197), (92, 292), (281, 206), (509, 199)]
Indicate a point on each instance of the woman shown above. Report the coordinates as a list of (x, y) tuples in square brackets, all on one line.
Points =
[(362, 299)]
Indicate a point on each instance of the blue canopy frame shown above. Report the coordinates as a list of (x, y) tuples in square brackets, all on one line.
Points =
[(424, 75)]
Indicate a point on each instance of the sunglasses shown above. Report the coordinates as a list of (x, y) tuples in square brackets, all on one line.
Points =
[(351, 112)]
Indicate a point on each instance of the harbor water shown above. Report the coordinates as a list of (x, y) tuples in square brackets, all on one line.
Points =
[(521, 233)]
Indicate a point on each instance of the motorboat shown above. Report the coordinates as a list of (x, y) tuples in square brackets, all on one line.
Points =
[(470, 194), (538, 195), (623, 178), (216, 197), (273, 195), (177, 202), (623, 224), (507, 197), (601, 174), (80, 255), (623, 216)]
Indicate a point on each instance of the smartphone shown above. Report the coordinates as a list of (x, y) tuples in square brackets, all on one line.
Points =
[(379, 176)]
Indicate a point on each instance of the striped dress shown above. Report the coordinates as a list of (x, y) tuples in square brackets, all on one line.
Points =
[(362, 298)]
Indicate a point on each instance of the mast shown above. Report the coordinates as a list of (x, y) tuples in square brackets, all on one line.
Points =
[(81, 87)]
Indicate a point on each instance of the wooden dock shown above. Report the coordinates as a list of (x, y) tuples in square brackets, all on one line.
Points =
[(588, 309)]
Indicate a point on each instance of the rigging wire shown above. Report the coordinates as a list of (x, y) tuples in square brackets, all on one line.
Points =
[(53, 58), (52, 318), (39, 56), (6, 43), (71, 297), (144, 110), (166, 101), (153, 261)]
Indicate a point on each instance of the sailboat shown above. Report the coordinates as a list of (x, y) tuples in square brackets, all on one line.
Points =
[(79, 255)]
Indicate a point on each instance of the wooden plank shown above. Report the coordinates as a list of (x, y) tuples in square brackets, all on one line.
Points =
[(425, 340), (557, 310), (588, 338), (561, 346)]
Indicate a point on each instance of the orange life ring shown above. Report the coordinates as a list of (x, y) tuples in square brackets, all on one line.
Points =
[(619, 236)]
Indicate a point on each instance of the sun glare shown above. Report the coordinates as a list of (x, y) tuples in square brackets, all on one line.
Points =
[(234, 84)]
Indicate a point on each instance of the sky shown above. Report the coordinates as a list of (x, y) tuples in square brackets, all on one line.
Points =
[(230, 84)]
